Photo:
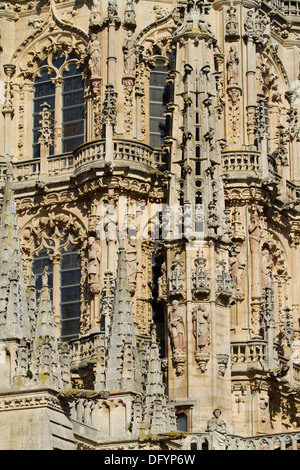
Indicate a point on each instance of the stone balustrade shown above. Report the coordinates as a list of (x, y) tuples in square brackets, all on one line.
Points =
[(291, 8), (296, 373), (254, 351), (60, 164), (87, 155), (284, 441), (247, 161), (85, 349), (287, 7)]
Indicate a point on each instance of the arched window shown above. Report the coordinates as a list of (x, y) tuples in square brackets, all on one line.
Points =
[(159, 95), (64, 284), (59, 83)]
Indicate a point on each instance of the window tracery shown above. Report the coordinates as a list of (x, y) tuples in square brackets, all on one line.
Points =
[(59, 83), (56, 241)]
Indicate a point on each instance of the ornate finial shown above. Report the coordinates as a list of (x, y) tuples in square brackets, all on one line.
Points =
[(9, 167)]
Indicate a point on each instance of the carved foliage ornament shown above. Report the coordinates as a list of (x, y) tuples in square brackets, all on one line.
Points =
[(52, 231), (48, 46)]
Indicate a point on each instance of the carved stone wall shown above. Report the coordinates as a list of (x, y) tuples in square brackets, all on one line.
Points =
[(206, 227)]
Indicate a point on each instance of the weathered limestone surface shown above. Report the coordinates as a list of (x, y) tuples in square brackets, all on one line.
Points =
[(150, 222)]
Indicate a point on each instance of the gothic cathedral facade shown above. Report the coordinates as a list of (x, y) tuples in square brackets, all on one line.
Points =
[(150, 224)]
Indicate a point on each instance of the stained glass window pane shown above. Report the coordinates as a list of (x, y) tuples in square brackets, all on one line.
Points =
[(70, 275), (73, 108), (40, 261), (44, 92), (160, 95)]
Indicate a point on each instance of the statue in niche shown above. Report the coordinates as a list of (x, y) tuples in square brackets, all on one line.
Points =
[(112, 8), (238, 263), (266, 269), (131, 263), (217, 429), (249, 25), (201, 327), (94, 260), (233, 66), (95, 14), (176, 327), (93, 51), (232, 23), (45, 277), (255, 233), (110, 224), (129, 51)]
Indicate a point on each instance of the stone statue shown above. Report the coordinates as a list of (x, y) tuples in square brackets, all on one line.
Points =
[(249, 24), (238, 263), (176, 326), (129, 51), (201, 327), (45, 277), (110, 224), (232, 23), (266, 269), (217, 429), (93, 51), (112, 8), (233, 66), (95, 14), (94, 260), (131, 263), (255, 233)]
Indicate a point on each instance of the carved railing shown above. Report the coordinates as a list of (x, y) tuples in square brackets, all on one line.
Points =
[(291, 190), (61, 164), (89, 153), (283, 441), (254, 351), (241, 161), (27, 170), (287, 7), (85, 349), (123, 150), (291, 8), (296, 373)]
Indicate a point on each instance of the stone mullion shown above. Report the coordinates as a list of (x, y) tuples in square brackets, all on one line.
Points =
[(28, 90), (251, 88), (56, 294), (58, 116)]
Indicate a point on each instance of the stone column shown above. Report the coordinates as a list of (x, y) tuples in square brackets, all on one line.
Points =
[(251, 89), (58, 116), (7, 109), (56, 294)]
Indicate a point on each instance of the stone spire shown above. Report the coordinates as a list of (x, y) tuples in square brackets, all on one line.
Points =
[(45, 353), (14, 321), (123, 368), (154, 382), (159, 413)]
